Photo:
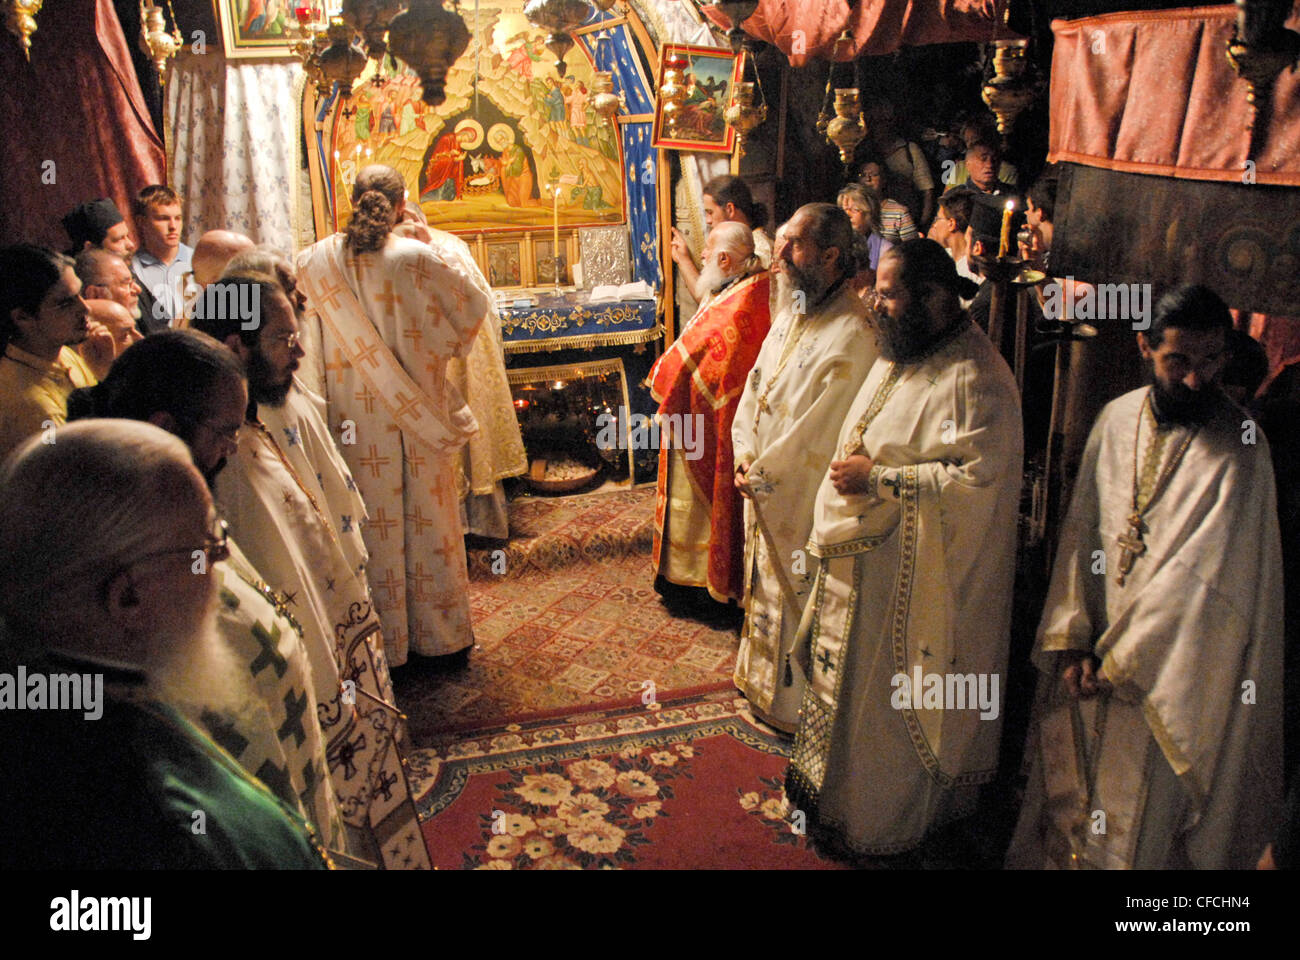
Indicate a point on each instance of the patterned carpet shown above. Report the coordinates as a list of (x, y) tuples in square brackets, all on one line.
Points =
[(565, 618), (690, 783)]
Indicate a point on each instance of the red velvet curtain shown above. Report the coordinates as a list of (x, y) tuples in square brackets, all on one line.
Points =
[(1152, 92), (77, 104), (879, 26)]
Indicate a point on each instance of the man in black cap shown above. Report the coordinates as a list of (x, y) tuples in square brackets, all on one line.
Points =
[(906, 638), (98, 223)]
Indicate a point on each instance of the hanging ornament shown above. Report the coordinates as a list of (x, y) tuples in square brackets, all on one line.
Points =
[(155, 42), (20, 18), (341, 62), (559, 17), (429, 38)]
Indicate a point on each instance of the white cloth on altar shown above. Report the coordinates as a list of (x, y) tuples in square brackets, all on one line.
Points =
[(422, 309), (914, 579), (1192, 643), (789, 446)]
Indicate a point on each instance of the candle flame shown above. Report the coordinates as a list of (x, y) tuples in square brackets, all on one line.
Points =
[(1011, 204)]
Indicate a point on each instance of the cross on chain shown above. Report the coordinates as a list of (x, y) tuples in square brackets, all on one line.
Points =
[(1131, 547)]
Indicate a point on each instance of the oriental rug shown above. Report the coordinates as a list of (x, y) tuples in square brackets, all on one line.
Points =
[(566, 619), (690, 783)]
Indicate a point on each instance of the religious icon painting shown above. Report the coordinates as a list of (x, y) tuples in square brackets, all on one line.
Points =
[(259, 28), (694, 93), (544, 264), (504, 264)]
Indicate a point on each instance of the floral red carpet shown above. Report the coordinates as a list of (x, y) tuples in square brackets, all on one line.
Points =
[(692, 783)]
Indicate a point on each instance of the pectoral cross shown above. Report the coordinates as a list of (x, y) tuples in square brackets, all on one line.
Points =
[(1131, 547)]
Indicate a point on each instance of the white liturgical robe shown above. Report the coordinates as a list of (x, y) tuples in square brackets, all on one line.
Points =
[(497, 450), (807, 373), (1183, 759), (281, 518), (390, 320), (914, 582)]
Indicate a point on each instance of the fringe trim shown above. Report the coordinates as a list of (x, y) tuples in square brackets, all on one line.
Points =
[(585, 342)]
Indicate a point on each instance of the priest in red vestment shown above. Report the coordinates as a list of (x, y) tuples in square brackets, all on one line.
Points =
[(699, 531)]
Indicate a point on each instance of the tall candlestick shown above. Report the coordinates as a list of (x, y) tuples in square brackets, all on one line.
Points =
[(1004, 246), (555, 243)]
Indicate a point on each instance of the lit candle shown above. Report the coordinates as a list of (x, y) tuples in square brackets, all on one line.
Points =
[(1004, 246), (555, 242)]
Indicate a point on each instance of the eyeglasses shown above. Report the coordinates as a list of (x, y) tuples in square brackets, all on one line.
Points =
[(216, 546), (290, 340)]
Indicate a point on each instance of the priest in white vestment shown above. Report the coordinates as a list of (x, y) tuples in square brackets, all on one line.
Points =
[(906, 633), (393, 312), (497, 450), (812, 363), (288, 515), (257, 698), (1157, 735)]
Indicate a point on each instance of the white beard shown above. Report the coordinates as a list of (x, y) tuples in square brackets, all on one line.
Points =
[(201, 673), (711, 279)]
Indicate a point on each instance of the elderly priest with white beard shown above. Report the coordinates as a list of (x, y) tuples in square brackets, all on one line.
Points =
[(915, 533), (699, 531)]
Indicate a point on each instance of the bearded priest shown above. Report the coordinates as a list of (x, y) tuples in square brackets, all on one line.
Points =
[(699, 530), (807, 373), (906, 634), (1157, 742)]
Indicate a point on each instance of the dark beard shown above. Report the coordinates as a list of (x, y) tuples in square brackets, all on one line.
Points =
[(1182, 406), (908, 338), (211, 475), (262, 388), (814, 287)]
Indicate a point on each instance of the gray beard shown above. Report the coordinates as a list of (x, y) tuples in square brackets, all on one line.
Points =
[(813, 285)]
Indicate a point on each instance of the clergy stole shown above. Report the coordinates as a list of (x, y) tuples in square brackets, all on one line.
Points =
[(807, 373), (906, 632), (497, 450), (285, 749), (281, 523), (701, 377), (1193, 636), (390, 321)]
